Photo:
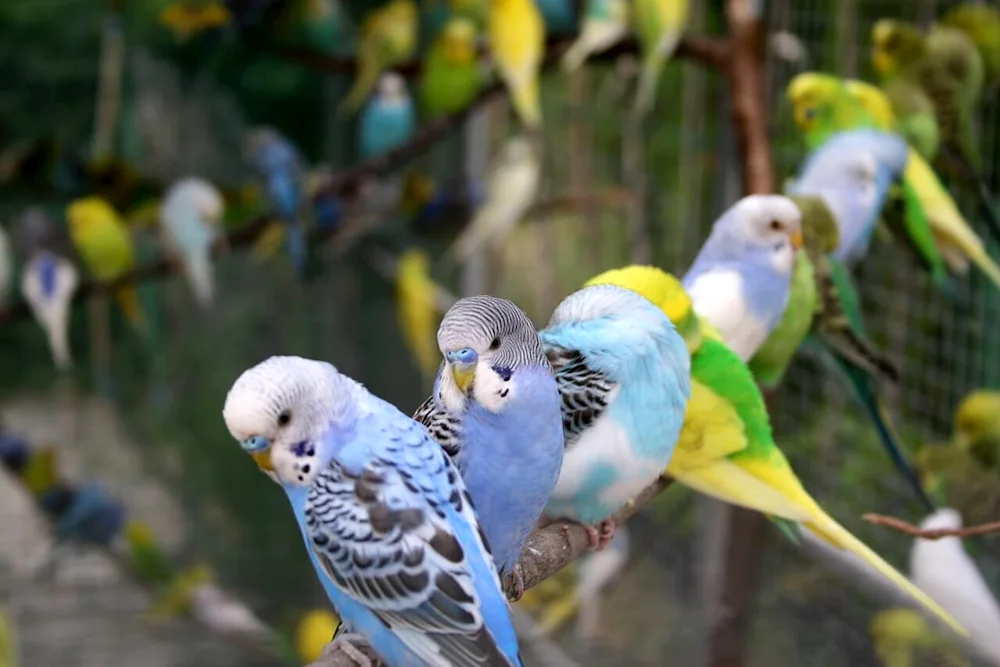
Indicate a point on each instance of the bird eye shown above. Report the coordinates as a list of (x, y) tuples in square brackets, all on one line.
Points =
[(775, 225), (284, 418), (495, 344)]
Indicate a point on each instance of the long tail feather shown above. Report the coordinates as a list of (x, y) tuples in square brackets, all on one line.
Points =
[(860, 383), (824, 527), (972, 175)]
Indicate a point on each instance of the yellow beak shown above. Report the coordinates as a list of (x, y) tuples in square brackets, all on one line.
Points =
[(263, 459), (463, 374), (797, 240)]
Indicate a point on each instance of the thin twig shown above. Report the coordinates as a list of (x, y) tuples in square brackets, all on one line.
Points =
[(932, 534)]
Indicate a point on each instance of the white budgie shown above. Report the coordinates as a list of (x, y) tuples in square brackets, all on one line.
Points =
[(48, 283), (190, 215), (946, 573), (512, 187)]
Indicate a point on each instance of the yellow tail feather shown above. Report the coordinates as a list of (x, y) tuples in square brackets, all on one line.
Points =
[(771, 487), (525, 99)]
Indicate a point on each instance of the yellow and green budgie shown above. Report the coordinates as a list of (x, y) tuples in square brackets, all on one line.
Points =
[(516, 33), (901, 635), (104, 243), (726, 448)]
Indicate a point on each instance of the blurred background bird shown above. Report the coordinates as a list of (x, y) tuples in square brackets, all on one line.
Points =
[(48, 283), (191, 219), (516, 34), (105, 245), (389, 118), (388, 38), (416, 299), (659, 25), (6, 266), (452, 73), (605, 23)]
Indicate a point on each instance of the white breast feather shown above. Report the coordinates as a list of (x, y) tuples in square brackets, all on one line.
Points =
[(717, 296)]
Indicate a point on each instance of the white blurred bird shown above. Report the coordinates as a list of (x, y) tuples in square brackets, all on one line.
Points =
[(513, 185), (48, 283), (190, 216), (945, 571)]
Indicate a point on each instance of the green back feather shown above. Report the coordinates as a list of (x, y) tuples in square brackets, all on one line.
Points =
[(721, 370)]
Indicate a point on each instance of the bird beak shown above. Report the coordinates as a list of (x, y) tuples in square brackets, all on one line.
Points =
[(263, 460), (463, 367), (797, 240)]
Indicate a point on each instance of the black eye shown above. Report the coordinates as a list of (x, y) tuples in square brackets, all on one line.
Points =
[(284, 418), (775, 225), (495, 344)]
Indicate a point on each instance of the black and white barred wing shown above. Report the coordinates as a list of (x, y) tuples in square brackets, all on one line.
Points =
[(444, 428), (392, 539), (584, 392)]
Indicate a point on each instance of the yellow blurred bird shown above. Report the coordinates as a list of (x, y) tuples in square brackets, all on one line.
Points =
[(8, 643), (900, 635), (313, 632), (417, 309), (104, 244), (516, 33)]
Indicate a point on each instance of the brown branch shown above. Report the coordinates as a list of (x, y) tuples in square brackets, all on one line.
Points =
[(548, 550), (932, 534)]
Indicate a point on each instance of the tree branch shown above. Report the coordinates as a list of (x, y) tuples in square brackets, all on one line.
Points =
[(932, 534)]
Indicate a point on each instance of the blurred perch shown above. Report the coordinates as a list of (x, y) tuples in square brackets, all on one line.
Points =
[(932, 534), (548, 550)]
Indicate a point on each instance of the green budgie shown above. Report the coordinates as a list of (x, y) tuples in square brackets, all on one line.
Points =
[(659, 25), (452, 74)]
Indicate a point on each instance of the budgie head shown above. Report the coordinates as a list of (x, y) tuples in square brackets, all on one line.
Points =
[(977, 419), (812, 96), (484, 341), (764, 228), (820, 233), (198, 193), (283, 412), (895, 44), (267, 149), (614, 328), (391, 89), (664, 291), (874, 101), (457, 41)]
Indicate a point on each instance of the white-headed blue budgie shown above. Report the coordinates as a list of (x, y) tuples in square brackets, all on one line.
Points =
[(624, 375), (495, 409), (279, 166), (853, 171), (191, 216), (388, 119), (386, 518), (741, 278), (48, 283)]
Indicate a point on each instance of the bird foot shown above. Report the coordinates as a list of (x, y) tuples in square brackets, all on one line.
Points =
[(344, 644), (600, 535), (517, 579)]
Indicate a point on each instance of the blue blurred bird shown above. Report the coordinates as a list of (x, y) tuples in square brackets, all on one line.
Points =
[(13, 451), (92, 517), (624, 375), (386, 518), (853, 171), (496, 410), (279, 166), (742, 276), (388, 119)]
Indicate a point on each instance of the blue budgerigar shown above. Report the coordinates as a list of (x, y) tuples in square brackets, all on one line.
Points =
[(91, 516), (853, 171), (388, 119), (495, 409), (741, 278), (191, 218), (624, 375), (386, 519), (280, 168)]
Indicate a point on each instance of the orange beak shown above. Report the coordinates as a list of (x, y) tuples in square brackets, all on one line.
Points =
[(263, 459), (797, 240)]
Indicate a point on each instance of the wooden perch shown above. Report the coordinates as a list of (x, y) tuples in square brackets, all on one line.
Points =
[(548, 550), (932, 534)]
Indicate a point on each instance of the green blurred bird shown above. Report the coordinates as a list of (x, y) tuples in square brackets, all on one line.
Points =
[(659, 25), (452, 74)]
